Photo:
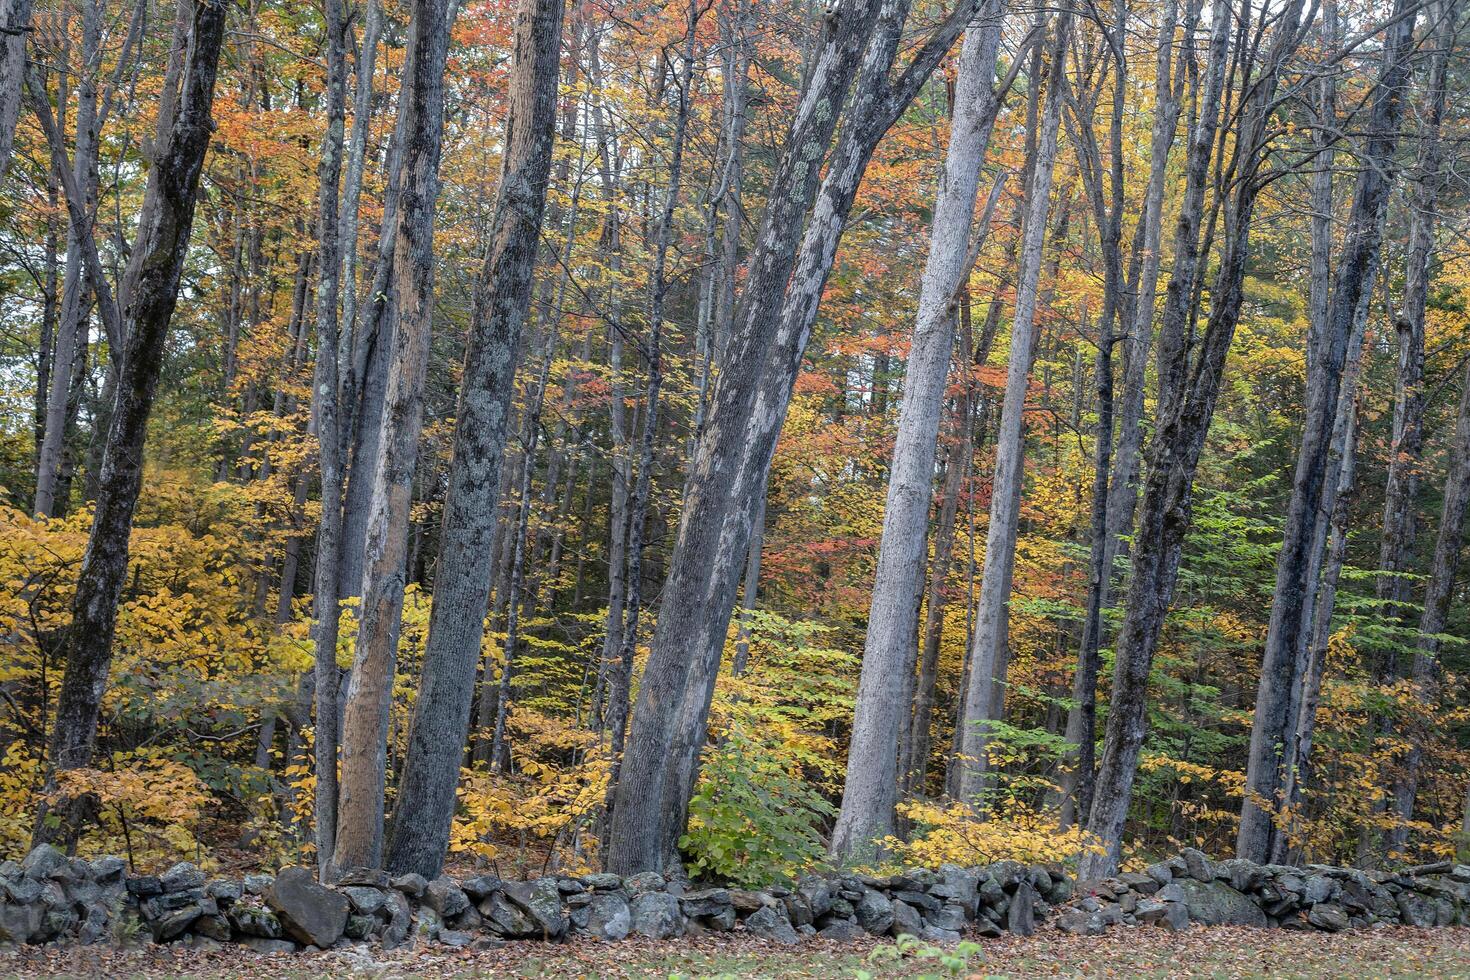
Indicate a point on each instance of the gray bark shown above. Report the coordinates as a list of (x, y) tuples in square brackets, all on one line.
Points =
[(1282, 664), (422, 817), (365, 715), (870, 790), (990, 649), (15, 21)]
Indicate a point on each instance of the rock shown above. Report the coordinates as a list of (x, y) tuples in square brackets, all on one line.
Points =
[(426, 924), (906, 920), (22, 891), (215, 927), (363, 877), (256, 922), (506, 919), (455, 939), (360, 926), (400, 920), (364, 899), (567, 886), (18, 923), (798, 910), (172, 924), (226, 891), (1215, 903), (608, 917), (108, 869), (1416, 910), (747, 901), (181, 877), (919, 900), (1197, 865), (1021, 917), (1242, 874), (644, 881), (309, 913), (1148, 910), (1172, 892), (875, 912), (602, 882), (1175, 917), (708, 901), (411, 884), (1329, 918), (480, 886), (960, 886), (818, 894), (987, 929), (656, 915), (268, 946), (1160, 872), (444, 896), (257, 884), (542, 902), (770, 924), (1319, 888), (1078, 922), (991, 892), (949, 916), (44, 861), (841, 930)]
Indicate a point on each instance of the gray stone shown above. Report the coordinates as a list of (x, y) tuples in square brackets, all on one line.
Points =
[(841, 930), (1319, 888), (181, 877), (1416, 910), (444, 896), (360, 926), (480, 886), (919, 900), (991, 892), (818, 894), (875, 912), (226, 891), (906, 919), (1160, 872), (708, 901), (506, 919), (656, 915), (267, 946), (215, 927), (798, 910), (454, 938), (949, 916), (1079, 922), (770, 924), (1197, 865), (644, 881), (400, 920), (364, 899), (1330, 918), (1215, 903), (256, 922), (1021, 916), (44, 861), (1172, 892), (931, 934), (364, 877), (108, 869), (18, 923), (22, 891), (1242, 874), (256, 884), (608, 917), (748, 901), (172, 924), (542, 902), (1148, 910), (1175, 917), (602, 882), (309, 913), (411, 884)]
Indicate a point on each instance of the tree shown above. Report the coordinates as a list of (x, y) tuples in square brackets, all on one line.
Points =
[(421, 819), (359, 838), (1282, 665), (870, 791), (151, 289)]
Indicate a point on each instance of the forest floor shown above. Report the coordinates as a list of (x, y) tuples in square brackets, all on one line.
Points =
[(1128, 953)]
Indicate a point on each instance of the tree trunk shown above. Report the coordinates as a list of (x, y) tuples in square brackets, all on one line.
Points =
[(870, 790), (369, 693), (749, 403), (1187, 397), (422, 817), (159, 249), (15, 21), (985, 695), (1282, 664)]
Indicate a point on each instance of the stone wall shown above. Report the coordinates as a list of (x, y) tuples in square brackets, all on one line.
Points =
[(49, 897)]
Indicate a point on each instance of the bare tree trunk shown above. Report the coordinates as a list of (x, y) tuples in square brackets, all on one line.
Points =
[(1282, 665), (989, 649), (165, 220), (15, 21), (327, 417), (425, 808), (365, 717), (1187, 397), (749, 403), (870, 790)]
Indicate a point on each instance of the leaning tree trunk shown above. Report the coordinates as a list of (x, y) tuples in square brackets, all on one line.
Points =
[(1185, 408), (153, 274), (989, 648), (422, 816), (1282, 666), (733, 457), (369, 693), (870, 790)]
